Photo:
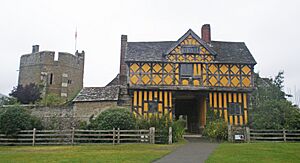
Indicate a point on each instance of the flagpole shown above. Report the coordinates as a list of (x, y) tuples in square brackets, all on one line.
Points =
[(76, 40)]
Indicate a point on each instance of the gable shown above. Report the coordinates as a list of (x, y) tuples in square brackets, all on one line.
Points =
[(190, 48)]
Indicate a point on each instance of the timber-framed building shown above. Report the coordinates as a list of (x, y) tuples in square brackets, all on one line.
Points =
[(187, 77)]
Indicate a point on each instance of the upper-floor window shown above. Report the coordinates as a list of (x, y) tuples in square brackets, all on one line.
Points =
[(186, 70), (190, 50)]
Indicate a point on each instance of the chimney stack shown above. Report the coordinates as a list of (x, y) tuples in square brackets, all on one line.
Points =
[(35, 48), (123, 66), (205, 32)]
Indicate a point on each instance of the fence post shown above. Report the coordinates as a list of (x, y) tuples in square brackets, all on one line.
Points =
[(229, 133), (152, 135), (114, 135), (248, 134), (73, 134), (33, 137), (284, 135), (170, 135), (118, 135)]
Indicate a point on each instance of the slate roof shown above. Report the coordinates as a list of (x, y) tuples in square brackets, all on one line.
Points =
[(89, 94), (115, 81), (226, 52)]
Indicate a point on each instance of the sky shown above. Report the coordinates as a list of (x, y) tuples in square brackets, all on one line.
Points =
[(270, 29)]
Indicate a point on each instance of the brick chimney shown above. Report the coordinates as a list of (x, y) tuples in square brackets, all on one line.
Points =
[(35, 48), (123, 66), (205, 33)]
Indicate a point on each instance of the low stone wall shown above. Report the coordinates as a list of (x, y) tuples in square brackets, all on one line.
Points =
[(66, 117)]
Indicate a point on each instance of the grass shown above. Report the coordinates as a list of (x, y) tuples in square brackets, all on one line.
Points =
[(86, 153), (256, 152)]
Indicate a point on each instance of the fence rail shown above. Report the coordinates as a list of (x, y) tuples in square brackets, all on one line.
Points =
[(71, 137), (275, 135)]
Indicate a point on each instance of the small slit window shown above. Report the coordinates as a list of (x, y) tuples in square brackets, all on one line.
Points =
[(51, 79)]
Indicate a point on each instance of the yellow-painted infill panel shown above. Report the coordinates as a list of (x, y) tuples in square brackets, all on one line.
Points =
[(241, 120), (150, 96), (168, 80), (212, 68), (213, 80), (246, 82), (160, 107), (155, 95), (234, 97), (231, 119), (229, 97), (134, 67), (246, 69), (145, 67), (145, 95), (135, 98), (235, 120), (160, 96), (168, 68), (199, 69), (145, 107), (185, 82), (156, 79), (210, 99), (195, 69), (224, 81), (145, 79), (134, 79), (157, 68), (215, 100), (140, 98), (225, 115), (235, 69), (246, 116), (170, 99), (220, 112), (235, 82), (166, 98), (196, 82), (240, 98), (224, 69), (245, 100), (225, 100), (220, 100)]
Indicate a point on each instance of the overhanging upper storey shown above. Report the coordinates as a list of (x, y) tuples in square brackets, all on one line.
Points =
[(190, 61)]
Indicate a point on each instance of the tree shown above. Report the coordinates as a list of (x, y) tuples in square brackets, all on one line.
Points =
[(52, 100), (26, 94), (271, 110)]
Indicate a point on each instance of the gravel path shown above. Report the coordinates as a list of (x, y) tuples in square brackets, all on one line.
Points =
[(195, 151)]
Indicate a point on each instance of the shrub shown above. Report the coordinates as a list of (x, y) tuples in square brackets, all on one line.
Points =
[(113, 118), (178, 128), (15, 119), (216, 130)]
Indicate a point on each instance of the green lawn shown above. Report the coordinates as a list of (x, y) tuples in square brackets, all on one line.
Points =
[(86, 153), (256, 152)]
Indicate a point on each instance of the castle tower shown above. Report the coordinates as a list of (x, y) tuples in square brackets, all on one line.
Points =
[(63, 77)]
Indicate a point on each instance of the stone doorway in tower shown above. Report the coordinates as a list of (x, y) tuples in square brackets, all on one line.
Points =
[(191, 106)]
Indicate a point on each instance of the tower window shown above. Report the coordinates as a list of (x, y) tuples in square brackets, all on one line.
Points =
[(51, 79)]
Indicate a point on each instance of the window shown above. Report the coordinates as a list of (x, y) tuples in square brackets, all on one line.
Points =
[(153, 106), (186, 70), (235, 109), (69, 81), (51, 79), (190, 50)]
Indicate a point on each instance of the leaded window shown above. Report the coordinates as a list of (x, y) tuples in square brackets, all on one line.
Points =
[(186, 70)]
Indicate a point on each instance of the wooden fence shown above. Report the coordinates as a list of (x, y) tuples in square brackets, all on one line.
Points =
[(71, 137), (275, 135)]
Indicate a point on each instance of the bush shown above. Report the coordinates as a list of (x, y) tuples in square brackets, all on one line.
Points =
[(178, 128), (15, 119), (216, 130), (162, 125), (113, 118)]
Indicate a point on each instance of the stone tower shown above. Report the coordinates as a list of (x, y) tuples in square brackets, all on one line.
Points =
[(63, 76)]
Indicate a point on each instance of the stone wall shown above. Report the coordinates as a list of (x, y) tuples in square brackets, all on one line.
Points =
[(66, 117)]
